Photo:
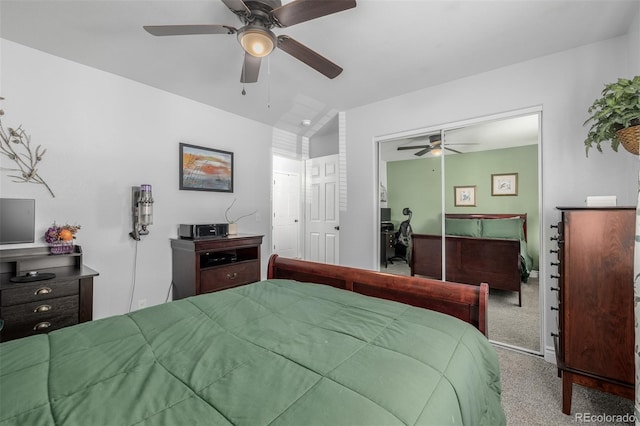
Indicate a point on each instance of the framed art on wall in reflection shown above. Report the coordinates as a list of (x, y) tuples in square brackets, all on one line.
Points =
[(464, 196), (504, 184)]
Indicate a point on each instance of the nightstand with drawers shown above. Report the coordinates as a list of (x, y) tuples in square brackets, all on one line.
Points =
[(29, 305)]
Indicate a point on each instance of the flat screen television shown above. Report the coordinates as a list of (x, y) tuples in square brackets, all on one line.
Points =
[(17, 220), (385, 214)]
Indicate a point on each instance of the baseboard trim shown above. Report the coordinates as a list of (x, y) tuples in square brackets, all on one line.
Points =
[(550, 354), (515, 348)]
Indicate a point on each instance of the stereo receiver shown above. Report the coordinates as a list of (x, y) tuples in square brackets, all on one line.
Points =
[(196, 232)]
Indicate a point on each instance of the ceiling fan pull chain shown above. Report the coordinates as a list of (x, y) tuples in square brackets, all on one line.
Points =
[(268, 82), (244, 75)]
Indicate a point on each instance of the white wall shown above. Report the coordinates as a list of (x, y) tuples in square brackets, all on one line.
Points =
[(564, 84), (323, 145), (104, 134), (633, 52)]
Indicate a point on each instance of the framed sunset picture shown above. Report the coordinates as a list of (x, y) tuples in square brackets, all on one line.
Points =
[(205, 169)]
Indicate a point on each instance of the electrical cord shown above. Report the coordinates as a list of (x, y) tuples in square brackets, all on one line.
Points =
[(169, 292), (133, 278)]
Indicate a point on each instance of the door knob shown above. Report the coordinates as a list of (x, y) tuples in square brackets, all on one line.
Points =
[(337, 228)]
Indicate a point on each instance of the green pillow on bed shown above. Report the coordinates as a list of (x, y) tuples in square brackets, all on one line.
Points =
[(463, 227), (503, 228)]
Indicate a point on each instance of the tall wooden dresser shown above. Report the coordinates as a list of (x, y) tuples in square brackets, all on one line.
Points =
[(595, 339)]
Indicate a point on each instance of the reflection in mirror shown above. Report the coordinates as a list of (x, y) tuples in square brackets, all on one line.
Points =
[(486, 174), (411, 181)]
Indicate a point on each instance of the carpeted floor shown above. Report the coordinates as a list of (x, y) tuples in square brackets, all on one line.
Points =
[(532, 395), (508, 322), (512, 324)]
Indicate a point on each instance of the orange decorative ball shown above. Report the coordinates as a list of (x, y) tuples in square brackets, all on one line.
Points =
[(66, 235)]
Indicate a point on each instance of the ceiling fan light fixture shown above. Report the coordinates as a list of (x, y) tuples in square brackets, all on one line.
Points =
[(258, 42), (436, 152)]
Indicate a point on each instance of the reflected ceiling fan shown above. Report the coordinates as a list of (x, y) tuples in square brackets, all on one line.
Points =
[(434, 147), (255, 36)]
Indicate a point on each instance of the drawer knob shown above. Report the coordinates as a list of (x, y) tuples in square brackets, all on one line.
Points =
[(41, 325), (42, 308), (42, 290), (232, 276)]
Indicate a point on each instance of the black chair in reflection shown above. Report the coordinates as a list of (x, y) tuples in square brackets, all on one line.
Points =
[(402, 239)]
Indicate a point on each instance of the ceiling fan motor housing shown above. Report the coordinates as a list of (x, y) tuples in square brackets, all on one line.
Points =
[(256, 39)]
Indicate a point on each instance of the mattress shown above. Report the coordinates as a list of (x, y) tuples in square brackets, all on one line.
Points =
[(277, 352)]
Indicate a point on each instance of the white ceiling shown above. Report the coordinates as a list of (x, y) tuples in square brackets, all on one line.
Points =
[(386, 47)]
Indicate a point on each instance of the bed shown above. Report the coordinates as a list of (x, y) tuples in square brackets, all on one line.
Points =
[(480, 247), (283, 351)]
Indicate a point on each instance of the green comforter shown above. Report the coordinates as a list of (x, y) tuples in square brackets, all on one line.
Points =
[(526, 262), (276, 352)]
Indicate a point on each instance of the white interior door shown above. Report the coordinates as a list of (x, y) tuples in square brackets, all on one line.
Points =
[(322, 210), (286, 214)]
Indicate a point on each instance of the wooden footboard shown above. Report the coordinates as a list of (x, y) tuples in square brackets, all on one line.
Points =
[(469, 260), (466, 302)]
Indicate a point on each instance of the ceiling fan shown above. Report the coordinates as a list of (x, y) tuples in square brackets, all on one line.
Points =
[(255, 36), (434, 147)]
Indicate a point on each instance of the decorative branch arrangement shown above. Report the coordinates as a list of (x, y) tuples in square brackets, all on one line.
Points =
[(13, 142), (226, 213)]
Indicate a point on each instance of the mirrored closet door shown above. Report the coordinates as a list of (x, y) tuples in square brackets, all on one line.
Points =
[(479, 183)]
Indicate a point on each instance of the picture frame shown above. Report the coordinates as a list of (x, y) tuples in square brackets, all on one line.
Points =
[(504, 184), (205, 169), (464, 196)]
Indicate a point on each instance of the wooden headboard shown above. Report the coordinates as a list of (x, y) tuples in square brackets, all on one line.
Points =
[(466, 302), (523, 216)]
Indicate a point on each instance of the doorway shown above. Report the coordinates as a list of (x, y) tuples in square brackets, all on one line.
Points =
[(286, 214), (305, 208), (424, 174), (322, 236)]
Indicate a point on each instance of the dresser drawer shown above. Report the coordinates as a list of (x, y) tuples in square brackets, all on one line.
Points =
[(39, 317), (233, 275), (22, 293)]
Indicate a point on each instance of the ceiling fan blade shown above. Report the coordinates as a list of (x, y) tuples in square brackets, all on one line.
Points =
[(308, 56), (402, 148), (237, 7), (423, 152), (250, 69), (172, 30), (452, 150), (305, 10)]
